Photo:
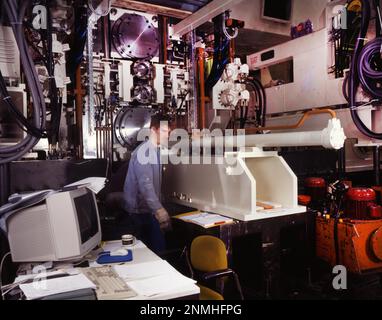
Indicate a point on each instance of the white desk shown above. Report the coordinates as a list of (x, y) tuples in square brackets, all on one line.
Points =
[(142, 254)]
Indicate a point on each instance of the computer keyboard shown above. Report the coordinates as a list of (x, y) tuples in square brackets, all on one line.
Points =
[(109, 285)]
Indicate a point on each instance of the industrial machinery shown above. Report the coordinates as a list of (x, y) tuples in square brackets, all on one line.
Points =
[(248, 86), (313, 71), (240, 182), (110, 67), (356, 244)]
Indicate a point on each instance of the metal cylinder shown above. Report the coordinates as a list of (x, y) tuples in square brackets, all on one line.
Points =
[(332, 137)]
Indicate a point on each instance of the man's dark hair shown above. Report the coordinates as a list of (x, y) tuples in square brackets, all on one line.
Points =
[(157, 119)]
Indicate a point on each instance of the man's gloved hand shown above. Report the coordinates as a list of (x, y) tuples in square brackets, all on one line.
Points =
[(164, 219)]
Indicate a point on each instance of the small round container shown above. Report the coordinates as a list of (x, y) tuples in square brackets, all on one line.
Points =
[(358, 203), (128, 240)]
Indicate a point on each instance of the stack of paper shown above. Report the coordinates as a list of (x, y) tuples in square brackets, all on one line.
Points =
[(162, 284), (143, 270), (152, 278), (45, 288)]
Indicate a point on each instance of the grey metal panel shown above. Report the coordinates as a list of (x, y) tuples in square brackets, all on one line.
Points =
[(41, 175), (187, 5)]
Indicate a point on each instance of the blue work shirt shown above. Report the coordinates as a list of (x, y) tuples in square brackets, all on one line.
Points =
[(142, 189)]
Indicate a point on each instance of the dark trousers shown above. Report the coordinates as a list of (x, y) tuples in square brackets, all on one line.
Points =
[(147, 229)]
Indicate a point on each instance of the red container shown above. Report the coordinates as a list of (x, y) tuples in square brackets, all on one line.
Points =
[(315, 188), (375, 212), (359, 201)]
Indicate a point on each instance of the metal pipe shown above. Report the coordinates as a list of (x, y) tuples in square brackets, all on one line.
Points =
[(105, 37), (332, 137), (377, 164), (79, 112), (4, 183), (297, 125), (202, 92), (193, 113)]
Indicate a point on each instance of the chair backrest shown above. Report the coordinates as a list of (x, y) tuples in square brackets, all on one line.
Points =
[(208, 254)]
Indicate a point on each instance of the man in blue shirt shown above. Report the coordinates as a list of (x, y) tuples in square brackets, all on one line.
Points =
[(142, 189)]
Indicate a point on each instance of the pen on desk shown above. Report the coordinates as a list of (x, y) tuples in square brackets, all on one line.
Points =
[(219, 223)]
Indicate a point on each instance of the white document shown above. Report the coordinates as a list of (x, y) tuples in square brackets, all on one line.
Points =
[(152, 278), (144, 270), (207, 220), (95, 184), (50, 287), (160, 285)]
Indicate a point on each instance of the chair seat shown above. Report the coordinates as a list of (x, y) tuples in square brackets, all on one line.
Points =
[(206, 294)]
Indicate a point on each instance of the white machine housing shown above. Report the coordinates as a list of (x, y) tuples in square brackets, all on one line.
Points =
[(234, 191), (312, 86)]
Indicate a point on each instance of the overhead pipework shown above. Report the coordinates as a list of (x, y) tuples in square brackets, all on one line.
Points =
[(331, 137)]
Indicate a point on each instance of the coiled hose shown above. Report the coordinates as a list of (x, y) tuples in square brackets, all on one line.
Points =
[(365, 71)]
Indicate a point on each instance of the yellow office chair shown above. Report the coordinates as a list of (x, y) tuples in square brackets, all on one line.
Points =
[(209, 259)]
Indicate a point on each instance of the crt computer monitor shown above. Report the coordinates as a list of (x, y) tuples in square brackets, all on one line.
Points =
[(278, 10), (64, 227)]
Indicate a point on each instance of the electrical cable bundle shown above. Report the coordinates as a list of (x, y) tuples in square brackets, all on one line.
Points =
[(15, 14), (344, 39), (366, 70), (55, 101), (260, 109), (221, 53)]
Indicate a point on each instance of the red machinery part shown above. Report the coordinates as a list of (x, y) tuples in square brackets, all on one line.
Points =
[(315, 188), (304, 200), (375, 211), (359, 201), (361, 194), (360, 244), (376, 243)]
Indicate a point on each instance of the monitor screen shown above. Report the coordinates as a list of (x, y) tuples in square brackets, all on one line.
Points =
[(87, 216), (279, 10)]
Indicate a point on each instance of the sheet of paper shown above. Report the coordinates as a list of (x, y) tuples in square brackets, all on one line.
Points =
[(207, 219), (161, 284), (144, 270), (95, 184), (55, 286), (152, 278)]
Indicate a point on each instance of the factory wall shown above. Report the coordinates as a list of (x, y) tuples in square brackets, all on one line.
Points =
[(251, 10)]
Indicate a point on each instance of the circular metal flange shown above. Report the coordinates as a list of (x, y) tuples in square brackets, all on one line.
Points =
[(129, 122), (142, 69), (376, 243), (134, 36)]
